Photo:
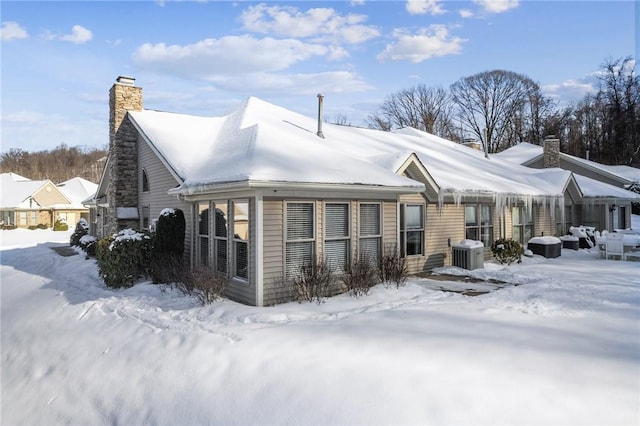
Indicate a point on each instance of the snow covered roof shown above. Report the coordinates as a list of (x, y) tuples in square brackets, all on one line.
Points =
[(78, 190), (257, 143), (592, 188), (525, 153), (17, 191), (262, 142)]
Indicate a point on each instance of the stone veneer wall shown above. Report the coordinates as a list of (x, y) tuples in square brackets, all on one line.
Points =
[(551, 153), (123, 151)]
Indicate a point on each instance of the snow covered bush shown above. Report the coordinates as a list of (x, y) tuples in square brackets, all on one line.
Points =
[(360, 277), (394, 268), (507, 251), (82, 229), (60, 226), (123, 258), (88, 244), (313, 281)]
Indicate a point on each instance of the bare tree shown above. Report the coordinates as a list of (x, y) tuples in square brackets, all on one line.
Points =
[(421, 107), (620, 88), (496, 107)]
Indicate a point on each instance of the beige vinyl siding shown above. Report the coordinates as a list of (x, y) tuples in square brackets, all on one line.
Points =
[(48, 198), (238, 289), (275, 288), (544, 222), (389, 225), (157, 199), (441, 225), (413, 172)]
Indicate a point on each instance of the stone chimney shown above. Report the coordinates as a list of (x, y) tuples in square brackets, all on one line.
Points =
[(551, 152), (122, 192)]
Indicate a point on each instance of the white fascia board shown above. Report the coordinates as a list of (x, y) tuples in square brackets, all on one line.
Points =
[(252, 185)]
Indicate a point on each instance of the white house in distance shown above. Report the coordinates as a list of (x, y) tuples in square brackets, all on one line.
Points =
[(25, 202), (265, 190)]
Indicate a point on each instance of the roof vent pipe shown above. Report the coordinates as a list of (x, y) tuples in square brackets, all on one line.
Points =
[(320, 99)]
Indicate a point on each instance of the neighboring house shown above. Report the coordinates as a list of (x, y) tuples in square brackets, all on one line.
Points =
[(265, 190), (606, 205), (25, 202)]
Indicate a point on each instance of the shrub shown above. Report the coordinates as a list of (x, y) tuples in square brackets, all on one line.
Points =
[(360, 277), (166, 268), (42, 226), (60, 226), (82, 229), (507, 251), (169, 234), (88, 244), (313, 281), (123, 258), (205, 285), (33, 227), (394, 268)]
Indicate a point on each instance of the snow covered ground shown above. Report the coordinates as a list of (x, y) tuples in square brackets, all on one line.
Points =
[(560, 347)]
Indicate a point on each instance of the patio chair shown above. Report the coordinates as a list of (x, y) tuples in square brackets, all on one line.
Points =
[(614, 246)]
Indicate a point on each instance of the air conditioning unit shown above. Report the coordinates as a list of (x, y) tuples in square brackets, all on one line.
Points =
[(467, 256)]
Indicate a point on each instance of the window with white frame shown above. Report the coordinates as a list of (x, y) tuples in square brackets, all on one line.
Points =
[(220, 236), (337, 243), (411, 230), (370, 235), (203, 233), (300, 237), (522, 224), (241, 239), (478, 220)]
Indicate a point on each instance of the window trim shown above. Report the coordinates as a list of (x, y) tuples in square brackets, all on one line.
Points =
[(346, 237), (215, 237), (232, 231), (525, 214), (479, 226), (312, 240), (371, 236), (145, 181), (404, 230), (200, 237)]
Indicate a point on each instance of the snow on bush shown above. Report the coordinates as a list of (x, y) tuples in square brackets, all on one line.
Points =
[(507, 251), (123, 258)]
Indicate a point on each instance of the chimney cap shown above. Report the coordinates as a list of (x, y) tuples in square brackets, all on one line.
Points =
[(127, 81)]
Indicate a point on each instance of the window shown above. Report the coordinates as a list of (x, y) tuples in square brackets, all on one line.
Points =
[(145, 217), (478, 219), (300, 241), (241, 239), (8, 218), (145, 181), (220, 236), (591, 215), (522, 224), (412, 230), (336, 245), (370, 233), (33, 217), (23, 218), (203, 233)]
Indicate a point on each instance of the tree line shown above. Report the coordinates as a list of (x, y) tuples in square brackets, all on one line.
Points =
[(502, 108), (58, 165)]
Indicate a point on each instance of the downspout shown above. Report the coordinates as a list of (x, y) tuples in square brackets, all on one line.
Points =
[(320, 101)]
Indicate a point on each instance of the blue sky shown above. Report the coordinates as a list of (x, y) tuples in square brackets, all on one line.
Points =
[(59, 59)]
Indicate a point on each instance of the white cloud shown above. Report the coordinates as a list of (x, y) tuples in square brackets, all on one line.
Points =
[(465, 13), (229, 55), (420, 7), (318, 24), (570, 90), (79, 35), (357, 2), (427, 43), (295, 84), (497, 6), (12, 31)]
